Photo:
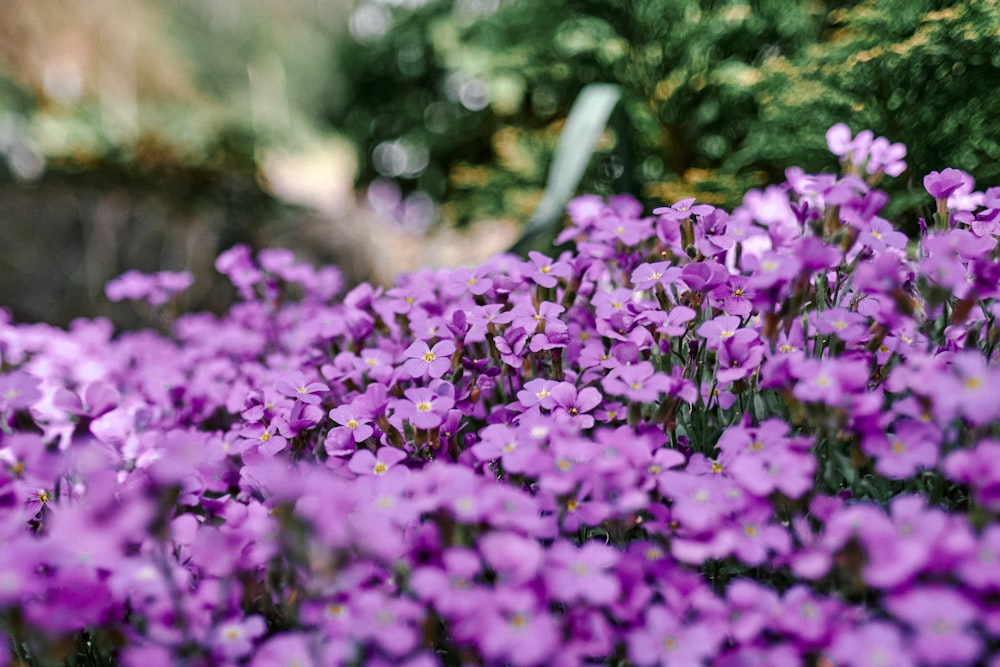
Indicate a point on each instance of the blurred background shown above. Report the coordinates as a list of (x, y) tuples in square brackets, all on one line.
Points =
[(383, 135)]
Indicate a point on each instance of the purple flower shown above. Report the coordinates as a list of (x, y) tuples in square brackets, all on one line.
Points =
[(738, 359), (735, 297), (941, 618), (452, 588), (271, 441), (647, 275), (515, 629), (573, 405), (424, 407), (354, 426), (423, 361), (284, 649), (943, 184), (543, 271), (910, 446), (980, 568), (666, 639), (725, 328), (846, 325), (537, 392), (828, 381), (295, 385), (18, 391), (234, 639), (638, 383), (514, 558), (364, 462), (573, 574), (155, 288), (872, 644)]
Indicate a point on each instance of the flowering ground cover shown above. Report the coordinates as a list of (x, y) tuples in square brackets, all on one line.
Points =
[(764, 437)]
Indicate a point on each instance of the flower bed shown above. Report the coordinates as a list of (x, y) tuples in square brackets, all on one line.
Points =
[(760, 438)]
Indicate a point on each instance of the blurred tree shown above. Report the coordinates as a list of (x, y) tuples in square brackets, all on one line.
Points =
[(463, 99), (131, 136)]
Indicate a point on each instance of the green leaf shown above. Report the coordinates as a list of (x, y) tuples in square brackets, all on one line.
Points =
[(587, 120)]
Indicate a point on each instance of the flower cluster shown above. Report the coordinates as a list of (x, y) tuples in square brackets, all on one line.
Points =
[(764, 437)]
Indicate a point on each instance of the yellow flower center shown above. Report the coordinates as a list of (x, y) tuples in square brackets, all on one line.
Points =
[(571, 505), (423, 406), (352, 423), (265, 436), (727, 334), (429, 356), (380, 468), (518, 621), (43, 497), (546, 269)]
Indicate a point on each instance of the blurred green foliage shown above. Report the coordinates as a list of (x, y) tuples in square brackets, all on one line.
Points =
[(464, 99)]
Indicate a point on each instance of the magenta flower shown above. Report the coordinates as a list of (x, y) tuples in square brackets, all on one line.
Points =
[(573, 405), (665, 639), (581, 574), (738, 359), (941, 619), (943, 184), (514, 558), (451, 589), (424, 407), (157, 288), (267, 435), (881, 235), (638, 383), (295, 385), (423, 361), (537, 392), (364, 462), (543, 271), (725, 328), (910, 446), (735, 297), (846, 325), (872, 644), (647, 275), (980, 568), (515, 629), (18, 391), (234, 639), (355, 426)]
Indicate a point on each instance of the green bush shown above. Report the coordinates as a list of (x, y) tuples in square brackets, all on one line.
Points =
[(464, 100)]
